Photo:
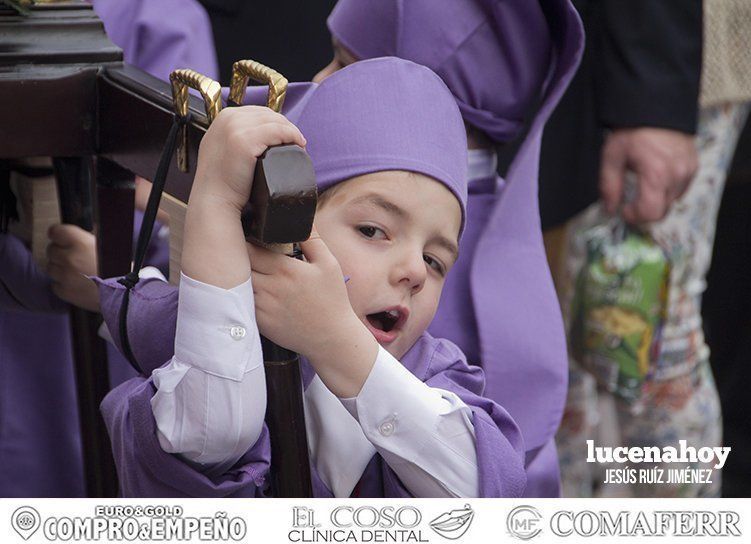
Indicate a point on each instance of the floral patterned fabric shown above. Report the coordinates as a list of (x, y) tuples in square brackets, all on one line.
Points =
[(680, 402)]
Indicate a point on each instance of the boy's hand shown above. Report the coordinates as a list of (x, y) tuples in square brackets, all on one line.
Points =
[(71, 256), (299, 304), (214, 243), (304, 306), (228, 152)]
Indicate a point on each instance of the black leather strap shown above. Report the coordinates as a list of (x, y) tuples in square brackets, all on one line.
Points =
[(144, 236)]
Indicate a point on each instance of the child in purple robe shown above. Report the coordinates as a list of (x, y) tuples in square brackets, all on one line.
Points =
[(499, 305), (40, 450), (390, 410), (499, 301)]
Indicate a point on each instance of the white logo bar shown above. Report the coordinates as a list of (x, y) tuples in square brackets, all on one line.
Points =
[(284, 521)]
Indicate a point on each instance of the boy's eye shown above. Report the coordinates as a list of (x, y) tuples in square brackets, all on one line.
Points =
[(370, 231), (434, 264)]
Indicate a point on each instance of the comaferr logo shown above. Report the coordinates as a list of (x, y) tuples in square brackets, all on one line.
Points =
[(673, 523), (524, 522)]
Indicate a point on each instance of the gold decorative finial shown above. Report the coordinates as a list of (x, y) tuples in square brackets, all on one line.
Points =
[(243, 70), (211, 92)]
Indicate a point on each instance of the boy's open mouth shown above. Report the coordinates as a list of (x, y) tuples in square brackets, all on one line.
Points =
[(385, 324), (384, 321)]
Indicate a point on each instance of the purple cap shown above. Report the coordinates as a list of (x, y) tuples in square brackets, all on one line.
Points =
[(384, 114), (494, 55)]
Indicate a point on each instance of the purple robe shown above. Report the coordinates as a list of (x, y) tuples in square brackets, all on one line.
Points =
[(499, 304), (40, 447), (40, 450), (159, 36), (493, 55), (145, 470)]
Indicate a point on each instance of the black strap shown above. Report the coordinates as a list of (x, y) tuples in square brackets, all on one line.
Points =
[(144, 236)]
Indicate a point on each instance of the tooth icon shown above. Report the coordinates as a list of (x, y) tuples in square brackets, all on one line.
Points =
[(453, 524), (25, 521)]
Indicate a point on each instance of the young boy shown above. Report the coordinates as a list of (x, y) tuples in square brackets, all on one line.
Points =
[(390, 410)]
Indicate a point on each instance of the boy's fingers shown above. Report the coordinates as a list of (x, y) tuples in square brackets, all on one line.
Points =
[(250, 112), (265, 288), (315, 249), (259, 282), (258, 115), (265, 261), (278, 133)]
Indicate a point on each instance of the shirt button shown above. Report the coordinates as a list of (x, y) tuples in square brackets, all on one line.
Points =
[(238, 333), (386, 428)]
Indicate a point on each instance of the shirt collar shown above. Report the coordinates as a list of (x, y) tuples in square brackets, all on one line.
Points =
[(481, 163)]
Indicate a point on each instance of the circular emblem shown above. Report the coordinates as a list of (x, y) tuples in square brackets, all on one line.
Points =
[(524, 522)]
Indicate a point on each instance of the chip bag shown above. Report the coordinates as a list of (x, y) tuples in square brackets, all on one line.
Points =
[(619, 307)]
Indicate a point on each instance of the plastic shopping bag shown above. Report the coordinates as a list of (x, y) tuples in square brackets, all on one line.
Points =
[(619, 307)]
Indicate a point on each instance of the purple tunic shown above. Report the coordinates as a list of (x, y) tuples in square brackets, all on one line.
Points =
[(145, 470), (159, 36), (40, 451), (493, 55), (498, 305), (522, 347)]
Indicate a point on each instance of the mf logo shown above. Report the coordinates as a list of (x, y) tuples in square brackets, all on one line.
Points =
[(524, 522)]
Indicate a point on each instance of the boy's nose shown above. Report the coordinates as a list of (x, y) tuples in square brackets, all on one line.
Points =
[(411, 272)]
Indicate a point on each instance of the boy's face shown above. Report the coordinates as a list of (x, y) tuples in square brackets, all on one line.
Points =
[(395, 235)]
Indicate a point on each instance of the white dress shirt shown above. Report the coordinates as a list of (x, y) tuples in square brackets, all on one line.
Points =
[(481, 163), (211, 400)]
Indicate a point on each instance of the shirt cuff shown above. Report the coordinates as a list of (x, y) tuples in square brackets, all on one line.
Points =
[(147, 272), (216, 328), (394, 406)]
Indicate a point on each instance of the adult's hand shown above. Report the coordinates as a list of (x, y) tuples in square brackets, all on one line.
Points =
[(664, 162), (71, 257)]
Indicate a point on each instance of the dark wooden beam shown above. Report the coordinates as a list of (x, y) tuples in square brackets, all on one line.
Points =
[(135, 115)]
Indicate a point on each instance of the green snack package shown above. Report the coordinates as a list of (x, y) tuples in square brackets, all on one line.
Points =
[(619, 308)]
